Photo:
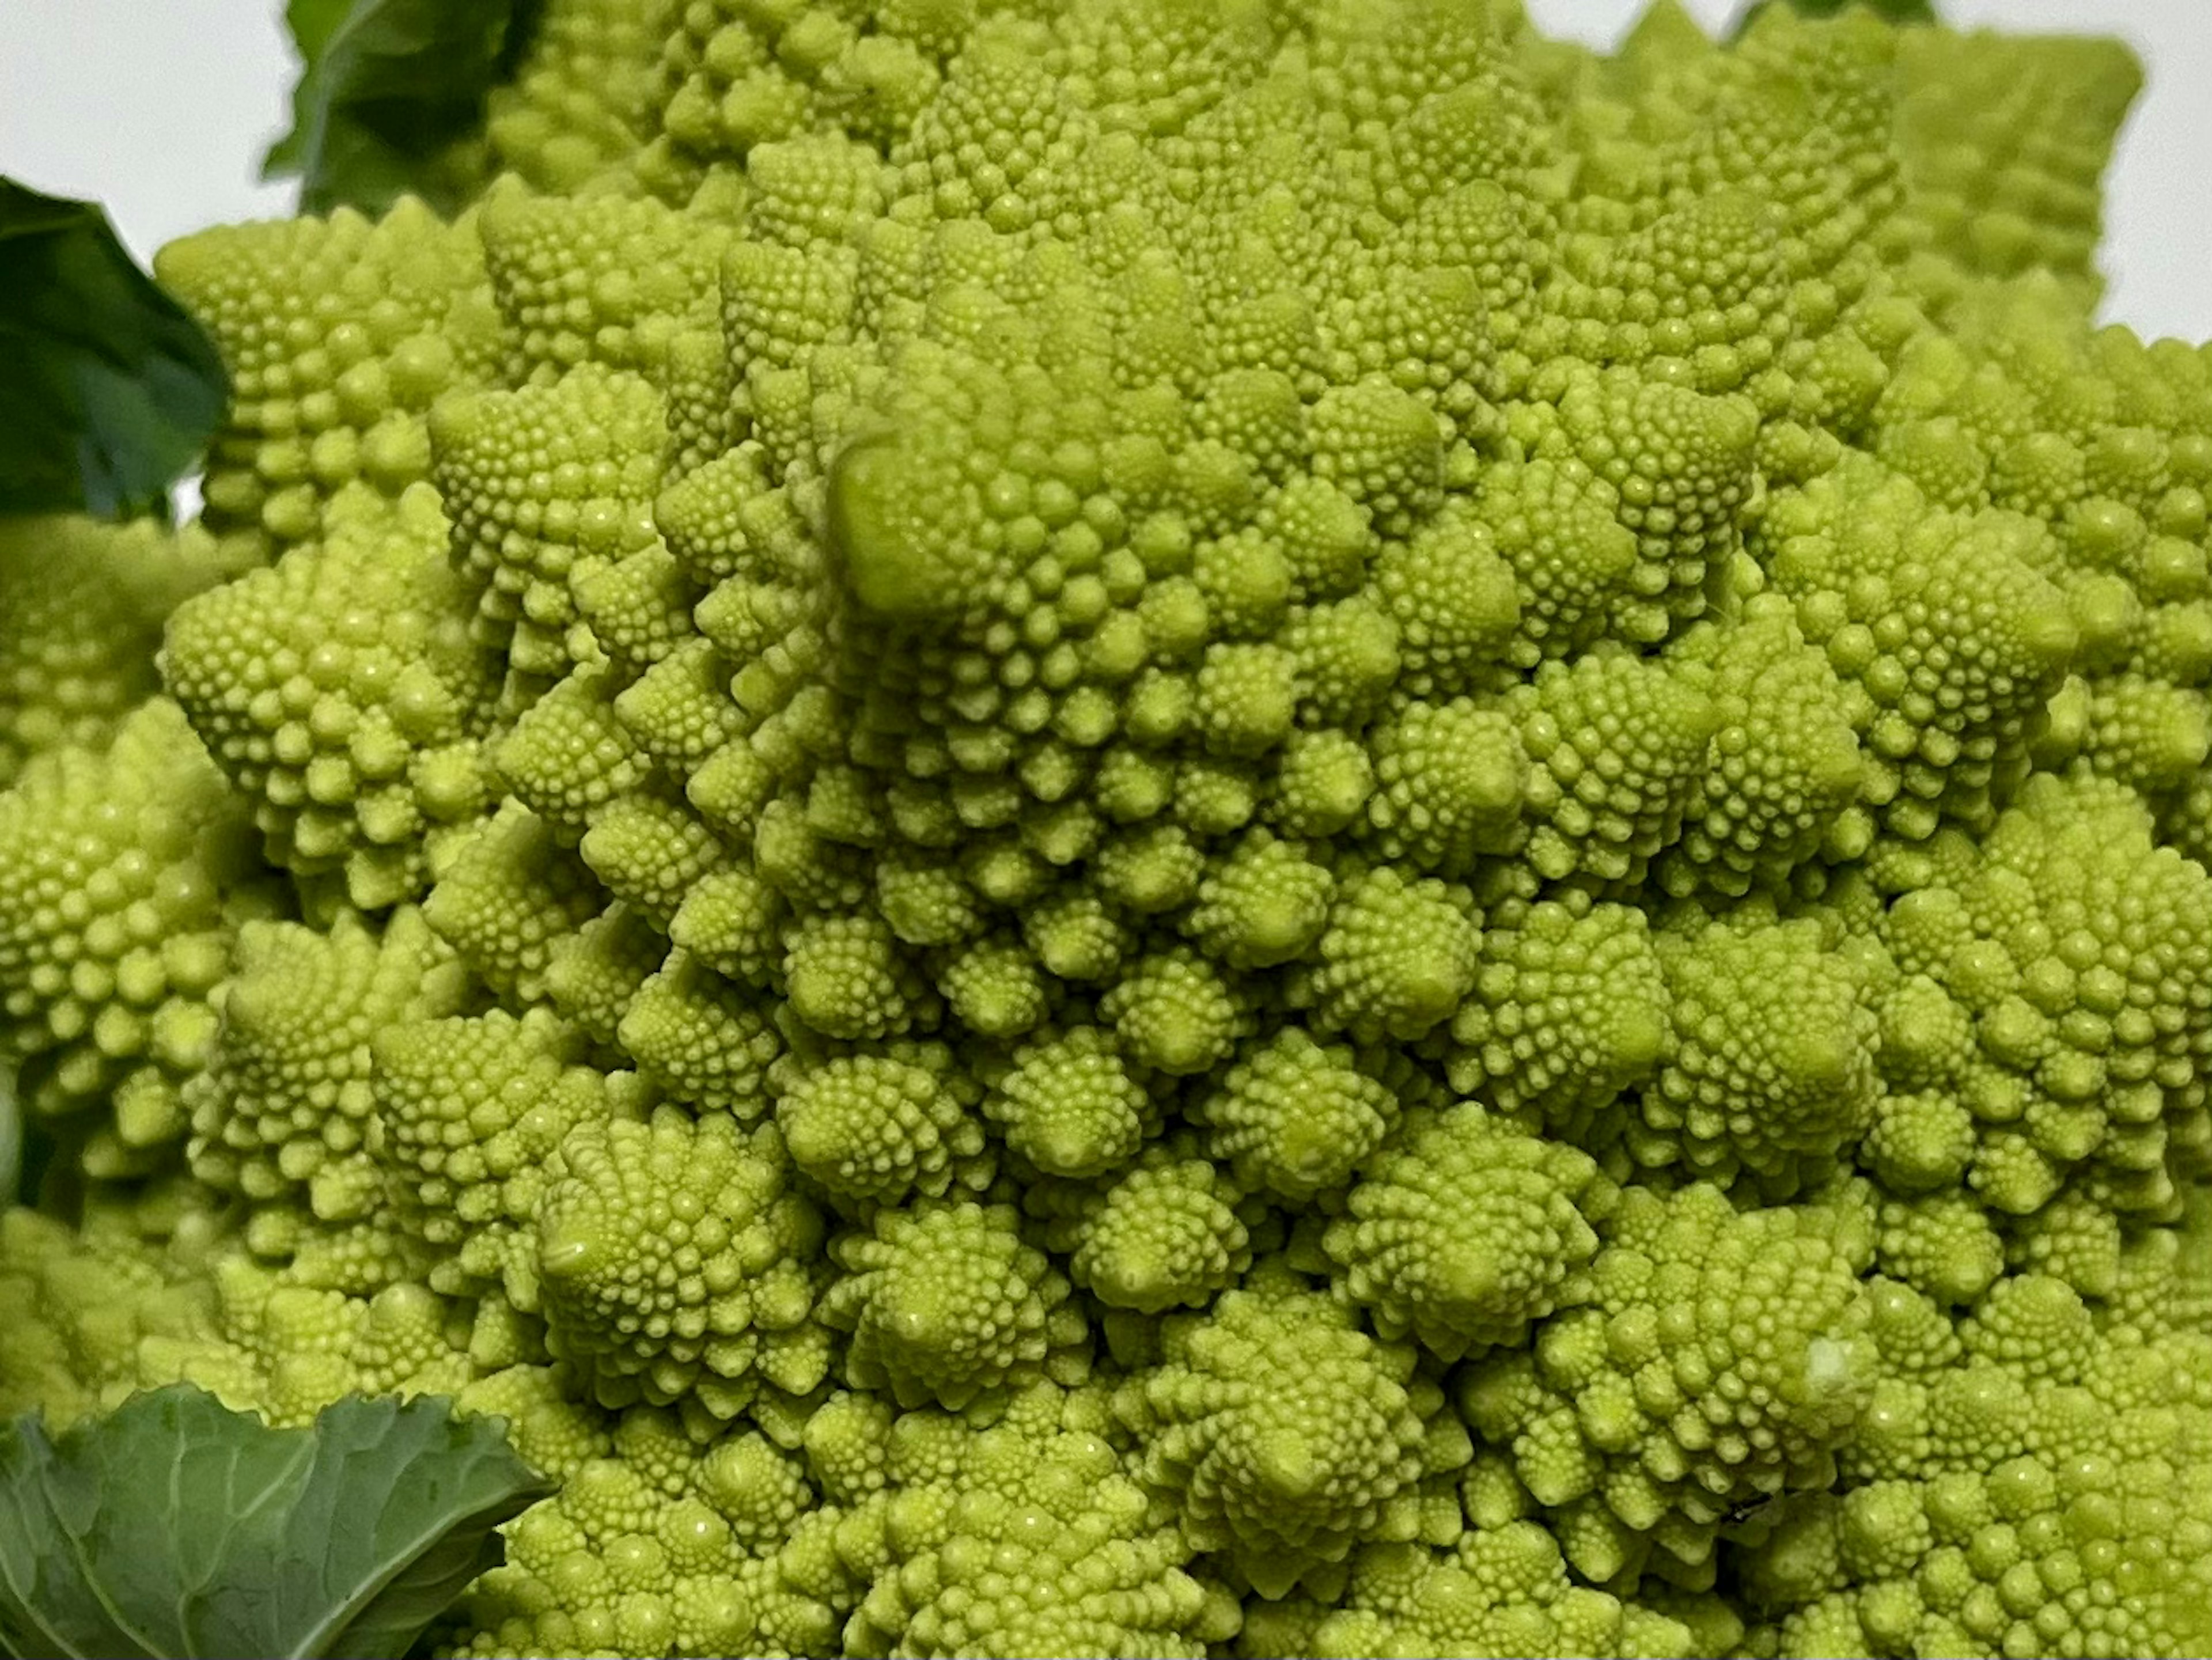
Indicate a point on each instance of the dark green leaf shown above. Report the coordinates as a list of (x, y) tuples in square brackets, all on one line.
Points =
[(176, 1526), (311, 24), (1896, 11), (388, 90), (108, 391)]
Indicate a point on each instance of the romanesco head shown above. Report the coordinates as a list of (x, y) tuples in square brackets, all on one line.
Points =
[(1166, 827)]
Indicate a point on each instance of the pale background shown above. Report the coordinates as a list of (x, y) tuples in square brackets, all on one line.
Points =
[(160, 109)]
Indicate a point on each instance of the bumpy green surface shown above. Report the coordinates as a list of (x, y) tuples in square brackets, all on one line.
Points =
[(1174, 827)]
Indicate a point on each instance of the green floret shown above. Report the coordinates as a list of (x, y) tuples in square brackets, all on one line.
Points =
[(1503, 1592), (1950, 630), (674, 1262), (1682, 461), (1396, 957), (1175, 1013), (1286, 1433), (1069, 1105), (2003, 1493), (568, 759), (341, 690), (619, 282), (907, 524), (604, 437), (110, 992), (1029, 1538), (286, 1103), (639, 612), (638, 1570), (1295, 1118), (691, 1032), (1774, 1055), (512, 897), (1785, 765), (1573, 560), (1723, 1357), (78, 1306), (847, 977), (468, 1112), (338, 334), (1617, 747), (650, 850), (1264, 902), (873, 1129), (761, 1489), (555, 1433), (1570, 1008), (1452, 598), (1942, 1244), (155, 1288), (84, 605), (1449, 779), (1462, 1233), (1170, 1232), (1992, 204), (944, 1301), (2074, 1042)]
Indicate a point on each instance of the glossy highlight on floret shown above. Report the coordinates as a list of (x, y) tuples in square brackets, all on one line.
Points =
[(1172, 827)]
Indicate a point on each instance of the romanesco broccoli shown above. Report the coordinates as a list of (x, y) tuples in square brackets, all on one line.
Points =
[(1171, 828)]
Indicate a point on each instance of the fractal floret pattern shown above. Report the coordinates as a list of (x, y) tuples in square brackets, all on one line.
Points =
[(1172, 828)]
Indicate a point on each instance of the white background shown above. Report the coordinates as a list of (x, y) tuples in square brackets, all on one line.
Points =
[(162, 108)]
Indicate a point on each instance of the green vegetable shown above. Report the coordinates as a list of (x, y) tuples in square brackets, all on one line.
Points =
[(390, 91), (108, 391), (1173, 828), (175, 1527)]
